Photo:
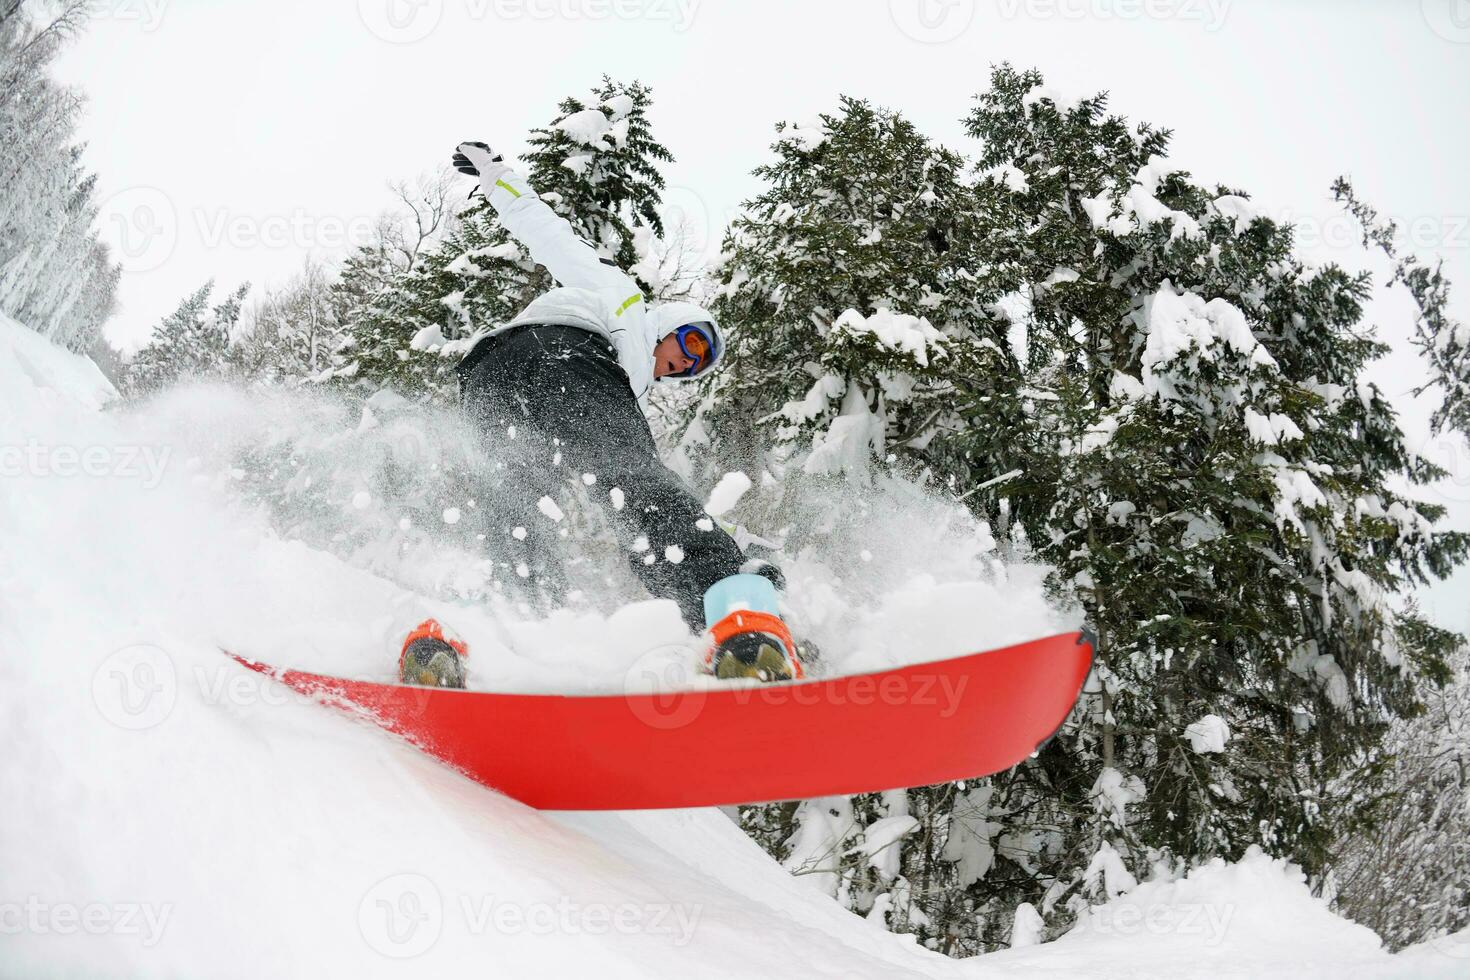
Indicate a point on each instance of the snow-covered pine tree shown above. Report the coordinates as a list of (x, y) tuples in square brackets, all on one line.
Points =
[(1212, 476), (192, 342), (1204, 465), (596, 163), (55, 276), (849, 317)]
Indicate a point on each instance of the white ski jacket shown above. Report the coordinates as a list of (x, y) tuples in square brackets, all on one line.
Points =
[(594, 295)]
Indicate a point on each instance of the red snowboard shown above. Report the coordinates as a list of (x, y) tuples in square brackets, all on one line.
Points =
[(926, 723)]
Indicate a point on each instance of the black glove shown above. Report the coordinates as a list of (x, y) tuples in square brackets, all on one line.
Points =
[(464, 165)]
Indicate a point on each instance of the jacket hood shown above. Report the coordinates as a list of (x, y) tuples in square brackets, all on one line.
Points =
[(665, 318)]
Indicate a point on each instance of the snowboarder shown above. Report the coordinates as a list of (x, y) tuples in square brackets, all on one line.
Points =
[(563, 384)]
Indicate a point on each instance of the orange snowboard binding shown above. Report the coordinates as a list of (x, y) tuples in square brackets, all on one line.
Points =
[(429, 658), (750, 643)]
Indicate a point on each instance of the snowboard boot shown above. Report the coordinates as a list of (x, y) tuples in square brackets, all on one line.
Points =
[(754, 644), (431, 659)]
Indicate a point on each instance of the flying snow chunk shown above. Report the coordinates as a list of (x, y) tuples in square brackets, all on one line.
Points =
[(727, 493), (451, 515), (548, 507), (519, 533), (616, 493), (1209, 734), (640, 543), (362, 499), (673, 554), (588, 479)]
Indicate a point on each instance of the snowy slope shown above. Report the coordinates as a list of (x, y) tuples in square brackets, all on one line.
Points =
[(168, 813), (51, 371)]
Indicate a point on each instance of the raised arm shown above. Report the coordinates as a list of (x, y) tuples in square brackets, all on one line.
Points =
[(545, 234)]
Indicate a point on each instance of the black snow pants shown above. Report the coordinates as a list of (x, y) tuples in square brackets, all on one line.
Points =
[(555, 406)]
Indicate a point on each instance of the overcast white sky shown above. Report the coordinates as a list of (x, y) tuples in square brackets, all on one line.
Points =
[(231, 139)]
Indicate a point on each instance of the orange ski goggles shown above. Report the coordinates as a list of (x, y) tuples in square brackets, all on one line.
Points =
[(697, 344)]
